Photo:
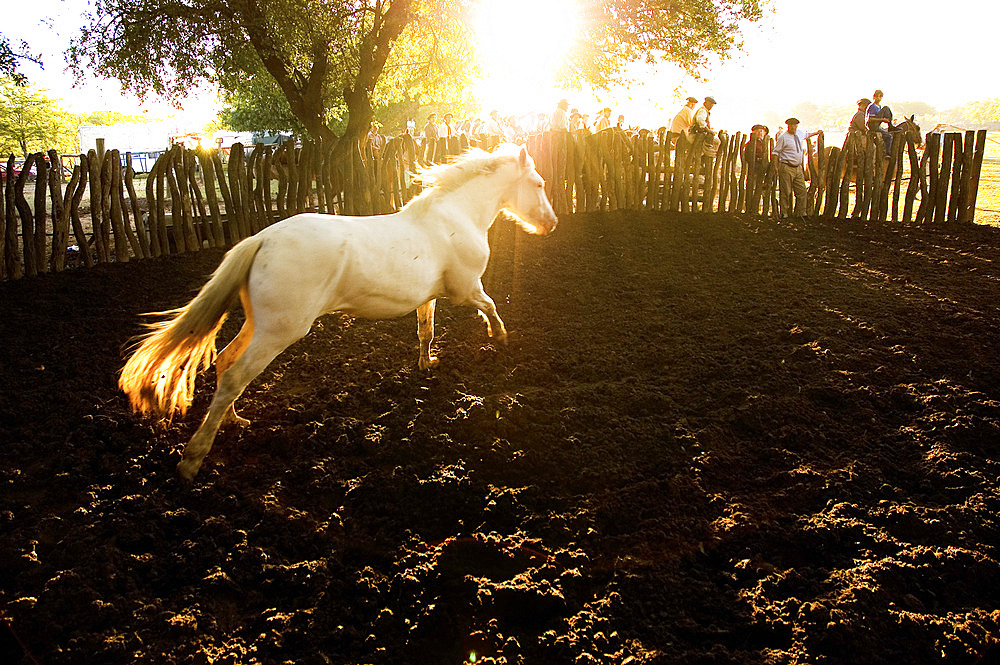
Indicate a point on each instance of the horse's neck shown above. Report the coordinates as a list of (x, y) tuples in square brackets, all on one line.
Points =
[(480, 199)]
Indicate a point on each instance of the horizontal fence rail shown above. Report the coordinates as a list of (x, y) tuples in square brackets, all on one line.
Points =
[(193, 199)]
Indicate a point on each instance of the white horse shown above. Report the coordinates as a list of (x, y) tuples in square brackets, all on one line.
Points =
[(310, 264)]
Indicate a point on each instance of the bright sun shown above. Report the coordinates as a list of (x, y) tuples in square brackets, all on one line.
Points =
[(521, 43)]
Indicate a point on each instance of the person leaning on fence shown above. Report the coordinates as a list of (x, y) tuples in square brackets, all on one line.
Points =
[(375, 136), (603, 120), (876, 114), (559, 121), (757, 149), (858, 122), (702, 124), (789, 148), (682, 121), (430, 138)]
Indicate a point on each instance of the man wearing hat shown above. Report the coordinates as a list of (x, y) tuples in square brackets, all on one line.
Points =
[(560, 118), (703, 124), (789, 147), (858, 121), (603, 120), (756, 150), (684, 118)]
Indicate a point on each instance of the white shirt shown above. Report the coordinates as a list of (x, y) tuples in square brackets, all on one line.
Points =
[(559, 119), (682, 121), (790, 147), (701, 118)]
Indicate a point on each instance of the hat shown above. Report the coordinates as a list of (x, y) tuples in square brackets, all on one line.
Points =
[(711, 99), (756, 127), (792, 121), (864, 100), (693, 99)]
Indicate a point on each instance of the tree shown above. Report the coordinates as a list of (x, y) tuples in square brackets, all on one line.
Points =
[(30, 121), (9, 58), (316, 52), (688, 33), (983, 111), (332, 60), (919, 109)]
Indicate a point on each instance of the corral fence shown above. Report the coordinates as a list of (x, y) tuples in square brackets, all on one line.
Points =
[(193, 199), (683, 173)]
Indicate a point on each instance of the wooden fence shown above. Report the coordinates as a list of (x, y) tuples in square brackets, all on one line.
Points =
[(195, 199), (613, 170)]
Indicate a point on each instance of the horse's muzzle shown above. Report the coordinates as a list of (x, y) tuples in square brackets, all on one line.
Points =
[(547, 223)]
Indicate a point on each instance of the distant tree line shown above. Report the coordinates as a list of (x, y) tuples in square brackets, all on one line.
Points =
[(33, 121)]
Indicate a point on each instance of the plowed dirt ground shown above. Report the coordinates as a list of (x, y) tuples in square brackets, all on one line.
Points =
[(709, 440)]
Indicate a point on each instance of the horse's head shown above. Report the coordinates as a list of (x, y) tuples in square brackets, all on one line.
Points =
[(912, 129), (527, 200)]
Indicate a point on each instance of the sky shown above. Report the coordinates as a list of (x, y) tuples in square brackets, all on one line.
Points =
[(823, 51)]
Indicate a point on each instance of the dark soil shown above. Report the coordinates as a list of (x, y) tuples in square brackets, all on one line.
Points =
[(709, 440)]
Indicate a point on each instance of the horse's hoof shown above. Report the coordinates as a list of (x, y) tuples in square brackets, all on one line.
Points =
[(239, 421), (501, 339), (430, 363), (187, 469)]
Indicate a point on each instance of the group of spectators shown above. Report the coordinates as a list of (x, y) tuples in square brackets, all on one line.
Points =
[(691, 119), (564, 118), (789, 145)]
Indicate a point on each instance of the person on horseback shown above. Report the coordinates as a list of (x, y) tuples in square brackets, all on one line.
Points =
[(876, 115), (858, 123)]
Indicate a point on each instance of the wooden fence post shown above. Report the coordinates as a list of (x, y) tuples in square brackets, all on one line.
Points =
[(60, 216), (140, 225), (944, 178), (916, 176), (976, 169), (956, 175), (13, 267), (40, 240), (74, 212), (27, 219), (114, 167), (968, 150)]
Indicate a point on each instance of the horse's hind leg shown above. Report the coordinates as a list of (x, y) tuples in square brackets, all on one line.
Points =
[(261, 350), (425, 333), (231, 353)]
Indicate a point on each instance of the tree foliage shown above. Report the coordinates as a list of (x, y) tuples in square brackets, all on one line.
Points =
[(324, 64), (11, 56), (321, 54), (688, 33), (981, 112), (30, 121)]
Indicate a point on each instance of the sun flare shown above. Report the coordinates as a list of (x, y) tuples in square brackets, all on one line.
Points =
[(521, 45)]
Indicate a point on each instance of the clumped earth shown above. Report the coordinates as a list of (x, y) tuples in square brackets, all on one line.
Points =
[(709, 440)]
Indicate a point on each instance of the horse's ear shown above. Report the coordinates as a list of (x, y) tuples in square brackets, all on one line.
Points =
[(912, 117), (523, 159)]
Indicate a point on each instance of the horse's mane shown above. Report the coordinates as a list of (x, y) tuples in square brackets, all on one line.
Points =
[(443, 178)]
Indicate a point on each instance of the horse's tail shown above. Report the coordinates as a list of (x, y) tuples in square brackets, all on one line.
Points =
[(159, 376)]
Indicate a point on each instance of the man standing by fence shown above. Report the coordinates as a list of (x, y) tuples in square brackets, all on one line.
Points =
[(430, 138), (789, 148)]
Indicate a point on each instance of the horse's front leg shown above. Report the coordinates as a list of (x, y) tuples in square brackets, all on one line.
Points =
[(425, 332), (494, 325)]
